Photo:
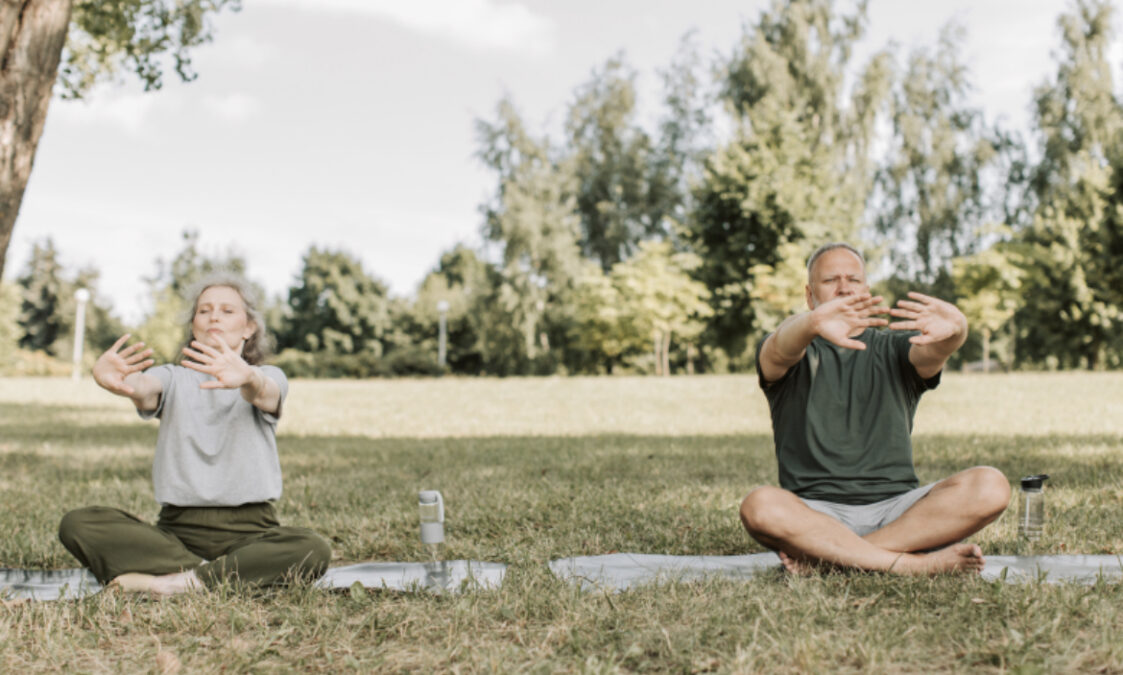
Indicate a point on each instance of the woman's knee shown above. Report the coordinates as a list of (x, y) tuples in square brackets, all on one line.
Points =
[(311, 553), (78, 521)]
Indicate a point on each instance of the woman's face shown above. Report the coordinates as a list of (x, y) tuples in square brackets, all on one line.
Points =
[(220, 315)]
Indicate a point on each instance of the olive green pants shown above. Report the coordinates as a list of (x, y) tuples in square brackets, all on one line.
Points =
[(243, 543)]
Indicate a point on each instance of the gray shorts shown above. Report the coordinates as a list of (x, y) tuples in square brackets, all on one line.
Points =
[(865, 518)]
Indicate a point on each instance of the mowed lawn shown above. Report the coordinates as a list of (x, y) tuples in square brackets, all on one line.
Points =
[(542, 468)]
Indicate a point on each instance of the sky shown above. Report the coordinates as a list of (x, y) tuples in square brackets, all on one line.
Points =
[(350, 124)]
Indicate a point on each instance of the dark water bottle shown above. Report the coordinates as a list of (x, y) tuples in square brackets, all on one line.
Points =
[(1031, 521)]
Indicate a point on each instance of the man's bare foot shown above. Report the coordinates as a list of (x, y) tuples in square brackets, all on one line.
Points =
[(165, 584), (802, 567), (955, 559)]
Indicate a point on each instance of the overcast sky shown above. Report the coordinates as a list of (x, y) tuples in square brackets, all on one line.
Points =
[(350, 123)]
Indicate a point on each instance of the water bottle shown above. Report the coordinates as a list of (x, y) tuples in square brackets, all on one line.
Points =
[(1032, 520), (431, 508)]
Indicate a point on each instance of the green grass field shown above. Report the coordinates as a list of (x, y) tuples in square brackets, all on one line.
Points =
[(536, 469)]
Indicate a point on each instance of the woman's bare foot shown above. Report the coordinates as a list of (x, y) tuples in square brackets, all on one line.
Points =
[(165, 584)]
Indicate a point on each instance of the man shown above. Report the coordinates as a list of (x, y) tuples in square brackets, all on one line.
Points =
[(843, 396)]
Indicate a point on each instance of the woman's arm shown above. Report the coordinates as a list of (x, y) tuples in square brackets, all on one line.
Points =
[(230, 371), (118, 371)]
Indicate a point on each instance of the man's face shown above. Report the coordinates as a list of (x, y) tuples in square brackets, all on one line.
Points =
[(836, 273)]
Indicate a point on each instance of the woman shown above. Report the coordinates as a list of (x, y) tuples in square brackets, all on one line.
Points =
[(216, 471)]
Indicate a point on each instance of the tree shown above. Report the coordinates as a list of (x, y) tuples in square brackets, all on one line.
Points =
[(987, 285), (9, 322), (42, 291), (533, 218), (660, 298), (932, 197), (798, 168), (600, 327), (101, 38), (1073, 318), (336, 307)]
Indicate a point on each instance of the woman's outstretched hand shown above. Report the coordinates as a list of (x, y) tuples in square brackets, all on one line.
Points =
[(116, 364), (226, 366)]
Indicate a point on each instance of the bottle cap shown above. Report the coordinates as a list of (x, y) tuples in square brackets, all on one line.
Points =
[(1034, 482)]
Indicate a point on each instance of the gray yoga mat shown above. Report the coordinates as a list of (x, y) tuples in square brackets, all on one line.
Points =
[(455, 576), (621, 571)]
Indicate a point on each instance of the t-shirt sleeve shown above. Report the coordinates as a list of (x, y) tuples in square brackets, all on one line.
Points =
[(164, 374), (916, 383), (765, 384), (277, 375)]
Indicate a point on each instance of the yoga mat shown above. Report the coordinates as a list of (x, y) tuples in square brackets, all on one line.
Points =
[(620, 571), (456, 576)]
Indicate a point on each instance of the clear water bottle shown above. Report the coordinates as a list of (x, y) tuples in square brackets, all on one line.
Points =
[(431, 508), (1032, 518)]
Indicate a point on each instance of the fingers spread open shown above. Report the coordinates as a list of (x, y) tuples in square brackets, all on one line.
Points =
[(120, 341)]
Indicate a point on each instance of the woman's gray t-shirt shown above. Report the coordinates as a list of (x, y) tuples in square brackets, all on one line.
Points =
[(214, 447)]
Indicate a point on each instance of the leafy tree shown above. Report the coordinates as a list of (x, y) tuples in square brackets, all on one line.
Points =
[(660, 298), (797, 170), (42, 291), (101, 39), (10, 332), (461, 280), (987, 285), (1074, 315), (933, 198), (600, 327), (532, 216), (336, 307)]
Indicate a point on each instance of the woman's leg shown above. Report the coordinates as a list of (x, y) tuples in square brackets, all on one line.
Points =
[(246, 543), (112, 542), (280, 555)]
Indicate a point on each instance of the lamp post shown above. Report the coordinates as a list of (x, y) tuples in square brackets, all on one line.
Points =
[(82, 296), (442, 338)]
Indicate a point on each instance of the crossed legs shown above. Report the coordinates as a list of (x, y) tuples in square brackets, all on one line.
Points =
[(954, 509)]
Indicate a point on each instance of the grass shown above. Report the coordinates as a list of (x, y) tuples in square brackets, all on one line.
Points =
[(536, 469)]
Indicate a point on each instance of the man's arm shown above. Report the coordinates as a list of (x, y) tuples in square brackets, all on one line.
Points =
[(943, 330), (834, 321)]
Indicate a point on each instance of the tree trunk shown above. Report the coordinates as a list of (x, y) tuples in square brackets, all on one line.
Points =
[(656, 344), (691, 353), (32, 35)]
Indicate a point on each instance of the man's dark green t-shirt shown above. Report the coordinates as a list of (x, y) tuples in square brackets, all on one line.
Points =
[(842, 419)]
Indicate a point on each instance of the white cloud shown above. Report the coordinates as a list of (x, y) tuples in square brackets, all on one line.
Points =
[(128, 111), (481, 24), (232, 107)]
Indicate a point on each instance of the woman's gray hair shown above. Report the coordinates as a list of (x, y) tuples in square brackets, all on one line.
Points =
[(827, 248), (257, 346)]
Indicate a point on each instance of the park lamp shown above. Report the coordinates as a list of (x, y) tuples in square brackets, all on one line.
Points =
[(442, 336), (82, 296)]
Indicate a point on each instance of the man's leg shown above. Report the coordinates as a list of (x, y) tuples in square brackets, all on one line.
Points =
[(953, 510), (781, 521)]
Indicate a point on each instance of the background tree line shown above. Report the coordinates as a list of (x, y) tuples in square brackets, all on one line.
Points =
[(613, 245)]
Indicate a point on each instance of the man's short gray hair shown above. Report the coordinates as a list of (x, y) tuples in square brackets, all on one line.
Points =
[(827, 248)]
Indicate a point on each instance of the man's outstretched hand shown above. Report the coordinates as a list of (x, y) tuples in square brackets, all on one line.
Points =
[(841, 317), (936, 319)]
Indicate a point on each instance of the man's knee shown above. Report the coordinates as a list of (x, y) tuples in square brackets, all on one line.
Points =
[(993, 490), (987, 491), (765, 509)]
